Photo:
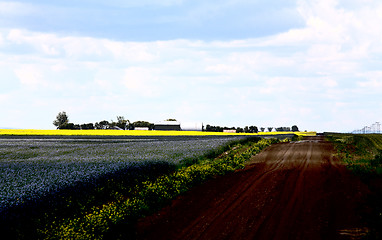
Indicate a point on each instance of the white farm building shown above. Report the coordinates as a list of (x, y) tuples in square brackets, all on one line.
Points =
[(191, 126), (178, 126)]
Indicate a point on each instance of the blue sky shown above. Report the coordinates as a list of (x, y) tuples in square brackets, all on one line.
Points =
[(316, 64)]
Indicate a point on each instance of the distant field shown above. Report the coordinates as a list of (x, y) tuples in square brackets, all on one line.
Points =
[(136, 133)]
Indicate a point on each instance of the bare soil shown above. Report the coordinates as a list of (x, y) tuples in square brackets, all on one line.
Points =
[(296, 190)]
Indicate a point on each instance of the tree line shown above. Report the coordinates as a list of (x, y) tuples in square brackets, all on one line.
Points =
[(62, 122), (250, 129)]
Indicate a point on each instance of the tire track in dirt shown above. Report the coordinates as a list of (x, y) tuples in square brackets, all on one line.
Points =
[(292, 190)]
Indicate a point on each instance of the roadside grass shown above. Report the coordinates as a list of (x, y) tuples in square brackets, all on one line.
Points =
[(362, 154), (113, 219)]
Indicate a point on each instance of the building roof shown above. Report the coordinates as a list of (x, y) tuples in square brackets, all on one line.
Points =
[(167, 123)]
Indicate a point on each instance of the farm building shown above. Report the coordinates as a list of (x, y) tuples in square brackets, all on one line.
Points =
[(191, 126), (141, 128), (167, 125), (229, 130)]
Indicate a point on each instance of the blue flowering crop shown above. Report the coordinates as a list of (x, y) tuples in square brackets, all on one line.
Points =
[(31, 167)]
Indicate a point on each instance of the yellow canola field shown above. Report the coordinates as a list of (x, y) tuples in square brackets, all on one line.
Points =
[(135, 133)]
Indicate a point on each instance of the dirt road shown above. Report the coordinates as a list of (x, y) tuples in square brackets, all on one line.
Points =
[(292, 190)]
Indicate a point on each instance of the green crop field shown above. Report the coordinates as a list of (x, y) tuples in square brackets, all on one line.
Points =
[(376, 139), (361, 152)]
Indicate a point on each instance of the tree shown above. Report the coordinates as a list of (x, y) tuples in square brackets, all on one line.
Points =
[(239, 130), (102, 125), (67, 126), (253, 129), (122, 122), (71, 126), (294, 128), (87, 126), (283, 129), (62, 119), (143, 124), (210, 128)]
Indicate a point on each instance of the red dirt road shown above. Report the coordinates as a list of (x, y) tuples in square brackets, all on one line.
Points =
[(292, 190)]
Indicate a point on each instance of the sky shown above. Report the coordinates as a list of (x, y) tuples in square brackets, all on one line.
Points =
[(316, 64)]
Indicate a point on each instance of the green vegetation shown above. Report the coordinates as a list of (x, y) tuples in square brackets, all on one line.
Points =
[(362, 153)]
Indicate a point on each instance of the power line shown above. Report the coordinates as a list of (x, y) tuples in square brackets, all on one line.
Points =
[(373, 128)]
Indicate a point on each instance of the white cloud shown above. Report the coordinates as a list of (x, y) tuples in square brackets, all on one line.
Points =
[(290, 86), (15, 8), (142, 81), (83, 47), (225, 69), (333, 28), (137, 52), (4, 98), (15, 35), (45, 44), (30, 76), (59, 67), (330, 83), (373, 84)]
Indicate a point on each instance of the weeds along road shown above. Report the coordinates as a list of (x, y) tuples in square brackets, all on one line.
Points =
[(292, 190)]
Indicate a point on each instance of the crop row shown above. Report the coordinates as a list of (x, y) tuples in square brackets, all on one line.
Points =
[(376, 139)]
